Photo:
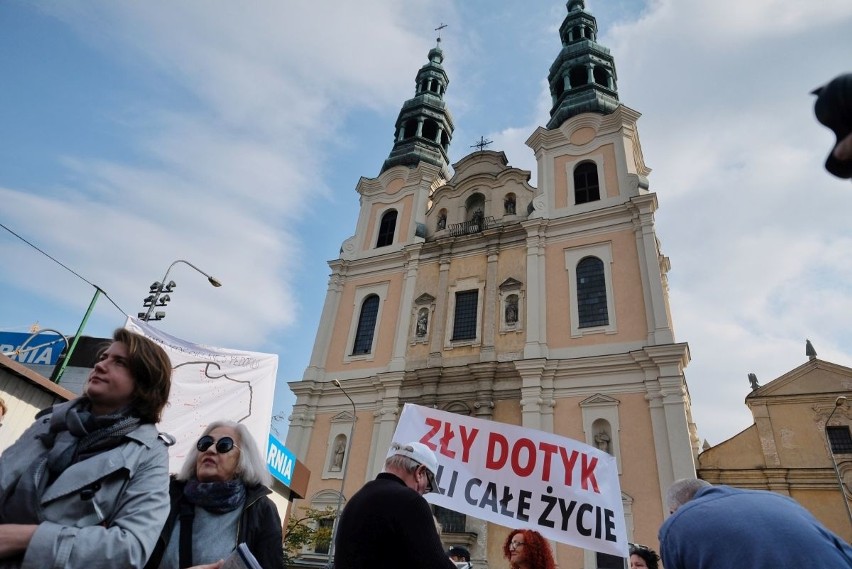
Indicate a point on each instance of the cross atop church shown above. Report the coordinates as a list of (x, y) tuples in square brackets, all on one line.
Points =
[(481, 144), (439, 28)]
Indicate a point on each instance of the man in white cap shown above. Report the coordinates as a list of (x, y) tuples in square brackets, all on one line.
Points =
[(388, 523)]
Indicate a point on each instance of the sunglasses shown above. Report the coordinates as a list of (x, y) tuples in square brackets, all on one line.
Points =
[(223, 445)]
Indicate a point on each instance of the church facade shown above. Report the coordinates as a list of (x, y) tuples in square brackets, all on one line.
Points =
[(474, 292)]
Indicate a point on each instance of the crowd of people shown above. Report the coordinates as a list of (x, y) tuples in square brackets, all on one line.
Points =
[(87, 485)]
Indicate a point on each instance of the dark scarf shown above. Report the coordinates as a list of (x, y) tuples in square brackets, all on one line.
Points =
[(92, 433), (215, 497)]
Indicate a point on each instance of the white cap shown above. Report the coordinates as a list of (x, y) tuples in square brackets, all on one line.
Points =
[(422, 454)]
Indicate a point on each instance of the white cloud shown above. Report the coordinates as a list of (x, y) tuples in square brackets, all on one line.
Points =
[(235, 133)]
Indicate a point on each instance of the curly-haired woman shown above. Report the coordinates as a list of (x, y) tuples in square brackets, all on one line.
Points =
[(527, 549)]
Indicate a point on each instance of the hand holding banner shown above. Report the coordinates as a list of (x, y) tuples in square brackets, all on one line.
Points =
[(522, 478)]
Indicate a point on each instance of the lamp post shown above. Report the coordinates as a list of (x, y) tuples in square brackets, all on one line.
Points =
[(158, 288), (343, 477), (838, 403), (60, 368)]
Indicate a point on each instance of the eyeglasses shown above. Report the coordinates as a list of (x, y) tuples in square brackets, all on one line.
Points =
[(223, 445), (428, 480), (516, 544)]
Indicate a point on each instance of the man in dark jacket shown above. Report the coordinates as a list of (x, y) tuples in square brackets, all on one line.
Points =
[(388, 523)]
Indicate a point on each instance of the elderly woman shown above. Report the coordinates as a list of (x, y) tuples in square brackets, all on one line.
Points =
[(219, 500), (527, 549), (86, 486)]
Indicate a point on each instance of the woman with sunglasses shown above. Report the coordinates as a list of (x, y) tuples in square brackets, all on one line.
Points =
[(527, 549), (219, 500), (86, 486)]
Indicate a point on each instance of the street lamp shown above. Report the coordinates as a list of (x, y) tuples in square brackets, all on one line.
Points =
[(157, 298), (838, 403), (343, 477)]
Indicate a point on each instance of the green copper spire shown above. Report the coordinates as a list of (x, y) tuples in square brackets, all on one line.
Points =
[(424, 127), (582, 79)]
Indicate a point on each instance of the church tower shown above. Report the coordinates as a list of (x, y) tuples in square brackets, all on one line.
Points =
[(479, 294)]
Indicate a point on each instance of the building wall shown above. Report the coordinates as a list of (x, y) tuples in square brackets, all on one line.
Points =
[(786, 449), (25, 393)]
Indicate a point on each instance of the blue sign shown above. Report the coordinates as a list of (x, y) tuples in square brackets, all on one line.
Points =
[(280, 461), (41, 349)]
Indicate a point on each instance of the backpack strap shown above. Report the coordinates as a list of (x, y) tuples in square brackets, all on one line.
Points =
[(187, 514)]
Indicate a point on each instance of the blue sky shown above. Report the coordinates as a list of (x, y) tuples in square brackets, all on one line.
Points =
[(233, 136)]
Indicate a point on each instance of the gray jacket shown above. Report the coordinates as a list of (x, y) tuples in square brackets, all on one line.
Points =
[(102, 512)]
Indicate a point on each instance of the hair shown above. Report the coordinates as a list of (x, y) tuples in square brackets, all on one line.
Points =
[(537, 550), (3, 407), (459, 551), (682, 491), (401, 463), (151, 370), (251, 468), (649, 555)]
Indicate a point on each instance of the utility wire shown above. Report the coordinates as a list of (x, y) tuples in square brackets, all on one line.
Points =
[(64, 266)]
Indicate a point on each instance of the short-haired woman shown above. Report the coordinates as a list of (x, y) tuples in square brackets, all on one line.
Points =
[(527, 549), (219, 500), (86, 486), (642, 557)]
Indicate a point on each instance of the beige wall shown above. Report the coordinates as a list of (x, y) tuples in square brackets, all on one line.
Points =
[(627, 292), (785, 450)]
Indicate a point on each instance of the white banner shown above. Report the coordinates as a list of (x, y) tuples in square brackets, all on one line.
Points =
[(211, 384), (522, 478)]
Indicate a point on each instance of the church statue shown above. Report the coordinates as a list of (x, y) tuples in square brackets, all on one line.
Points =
[(422, 322), (752, 378), (512, 310), (510, 205), (339, 453), (602, 441)]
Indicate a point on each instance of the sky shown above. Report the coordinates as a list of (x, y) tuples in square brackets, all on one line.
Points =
[(232, 135)]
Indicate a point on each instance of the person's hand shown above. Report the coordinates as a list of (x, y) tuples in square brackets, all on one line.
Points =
[(14, 538), (843, 150)]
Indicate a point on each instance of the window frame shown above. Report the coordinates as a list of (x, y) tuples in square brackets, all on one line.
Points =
[(596, 187), (387, 233), (573, 256), (591, 292), (464, 285), (361, 293), (598, 160), (841, 444)]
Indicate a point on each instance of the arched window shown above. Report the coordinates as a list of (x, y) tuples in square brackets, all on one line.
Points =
[(430, 130), (386, 229), (591, 293), (586, 187), (410, 129), (578, 76), (366, 326)]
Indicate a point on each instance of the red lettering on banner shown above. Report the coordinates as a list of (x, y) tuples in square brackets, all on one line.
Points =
[(522, 455), (548, 450), (516, 452), (467, 441), (569, 465), (445, 441), (426, 439), (491, 461), (587, 473)]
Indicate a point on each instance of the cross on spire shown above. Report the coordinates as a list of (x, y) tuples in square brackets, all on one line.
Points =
[(439, 28), (482, 143)]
